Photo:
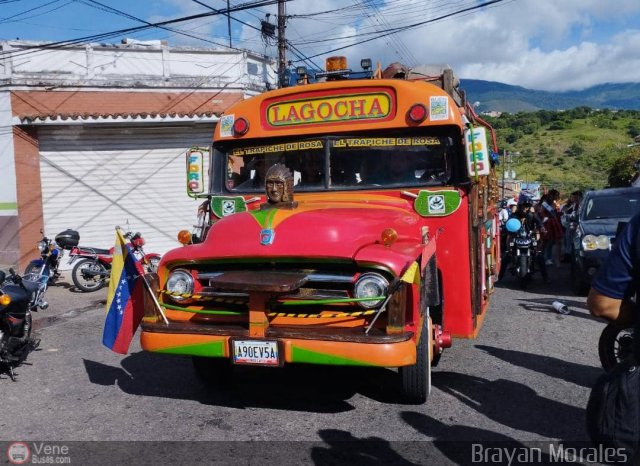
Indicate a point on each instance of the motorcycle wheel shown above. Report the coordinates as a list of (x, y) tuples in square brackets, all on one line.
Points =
[(523, 266), (32, 271), (615, 344), (28, 325), (88, 275)]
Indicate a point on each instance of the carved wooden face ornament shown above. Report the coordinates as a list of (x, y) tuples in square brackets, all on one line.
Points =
[(279, 184)]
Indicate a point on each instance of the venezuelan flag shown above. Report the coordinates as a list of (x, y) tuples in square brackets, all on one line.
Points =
[(125, 306)]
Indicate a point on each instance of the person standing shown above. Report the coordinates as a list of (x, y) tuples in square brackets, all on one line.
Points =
[(507, 211), (569, 213), (552, 237)]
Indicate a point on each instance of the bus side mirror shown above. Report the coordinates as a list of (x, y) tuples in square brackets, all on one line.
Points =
[(195, 171)]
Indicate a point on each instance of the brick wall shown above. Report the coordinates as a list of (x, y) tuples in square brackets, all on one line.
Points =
[(29, 193)]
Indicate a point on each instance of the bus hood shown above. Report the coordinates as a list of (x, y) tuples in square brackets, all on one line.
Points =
[(312, 230)]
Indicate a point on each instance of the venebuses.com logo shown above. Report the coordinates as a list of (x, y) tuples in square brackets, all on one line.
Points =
[(38, 453), (18, 453)]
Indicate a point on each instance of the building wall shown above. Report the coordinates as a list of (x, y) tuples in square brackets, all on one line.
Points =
[(130, 85), (9, 250)]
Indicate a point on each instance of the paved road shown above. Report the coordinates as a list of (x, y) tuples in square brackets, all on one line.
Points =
[(526, 378)]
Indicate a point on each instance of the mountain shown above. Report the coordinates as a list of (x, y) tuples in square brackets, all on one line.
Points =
[(500, 97)]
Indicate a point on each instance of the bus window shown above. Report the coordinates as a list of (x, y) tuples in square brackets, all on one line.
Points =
[(355, 162)]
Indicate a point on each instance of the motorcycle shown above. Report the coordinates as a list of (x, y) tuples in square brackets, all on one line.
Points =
[(19, 296), (521, 254), (51, 252), (614, 345), (93, 268)]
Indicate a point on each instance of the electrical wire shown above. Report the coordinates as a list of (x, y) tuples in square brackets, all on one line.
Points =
[(120, 32), (410, 26)]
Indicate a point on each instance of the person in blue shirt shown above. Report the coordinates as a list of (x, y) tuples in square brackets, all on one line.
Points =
[(617, 281)]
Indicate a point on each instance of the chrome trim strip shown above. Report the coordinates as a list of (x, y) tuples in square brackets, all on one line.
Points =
[(312, 277)]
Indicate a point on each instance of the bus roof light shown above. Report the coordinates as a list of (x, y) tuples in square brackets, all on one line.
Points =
[(336, 63), (417, 113), (240, 126), (366, 64), (184, 237)]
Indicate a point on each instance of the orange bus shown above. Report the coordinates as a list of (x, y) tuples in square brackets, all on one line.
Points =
[(348, 222)]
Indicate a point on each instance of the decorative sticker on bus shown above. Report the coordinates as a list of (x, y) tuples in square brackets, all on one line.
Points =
[(271, 148), (437, 203), (438, 108), (477, 151), (327, 109), (226, 126), (223, 206), (386, 142)]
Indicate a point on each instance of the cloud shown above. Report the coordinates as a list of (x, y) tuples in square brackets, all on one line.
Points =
[(539, 44)]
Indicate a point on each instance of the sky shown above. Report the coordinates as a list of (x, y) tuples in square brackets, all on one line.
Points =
[(553, 45)]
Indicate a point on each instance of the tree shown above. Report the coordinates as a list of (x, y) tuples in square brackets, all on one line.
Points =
[(624, 169)]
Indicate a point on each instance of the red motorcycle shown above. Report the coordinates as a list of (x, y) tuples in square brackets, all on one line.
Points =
[(94, 266)]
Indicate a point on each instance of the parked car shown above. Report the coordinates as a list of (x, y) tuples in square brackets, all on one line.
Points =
[(601, 216)]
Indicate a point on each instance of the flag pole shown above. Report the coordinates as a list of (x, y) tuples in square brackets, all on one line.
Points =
[(151, 293), (155, 300)]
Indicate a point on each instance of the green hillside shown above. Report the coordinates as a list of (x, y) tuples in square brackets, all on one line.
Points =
[(568, 150), (494, 96)]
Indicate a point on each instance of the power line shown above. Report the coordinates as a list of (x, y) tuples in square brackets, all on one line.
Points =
[(119, 32), (410, 26)]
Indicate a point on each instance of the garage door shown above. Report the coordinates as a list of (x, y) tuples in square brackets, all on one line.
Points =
[(94, 178)]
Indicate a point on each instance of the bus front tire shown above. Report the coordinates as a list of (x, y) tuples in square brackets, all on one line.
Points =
[(416, 379)]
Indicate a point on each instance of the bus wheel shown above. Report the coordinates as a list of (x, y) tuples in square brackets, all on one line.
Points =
[(416, 379), (213, 372)]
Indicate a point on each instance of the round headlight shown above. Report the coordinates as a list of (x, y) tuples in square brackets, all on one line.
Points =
[(180, 283), (602, 242), (371, 285), (589, 243), (43, 246)]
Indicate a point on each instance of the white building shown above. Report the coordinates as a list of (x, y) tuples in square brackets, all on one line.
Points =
[(93, 136)]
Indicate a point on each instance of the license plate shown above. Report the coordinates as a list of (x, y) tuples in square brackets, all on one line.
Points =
[(260, 352)]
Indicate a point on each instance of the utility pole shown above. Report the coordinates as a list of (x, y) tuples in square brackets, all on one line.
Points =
[(282, 18), (504, 169), (229, 23)]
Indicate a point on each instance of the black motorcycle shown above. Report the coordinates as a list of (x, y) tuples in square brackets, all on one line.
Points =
[(18, 297), (521, 257)]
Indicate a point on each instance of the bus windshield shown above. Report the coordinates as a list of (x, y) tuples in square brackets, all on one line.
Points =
[(343, 162)]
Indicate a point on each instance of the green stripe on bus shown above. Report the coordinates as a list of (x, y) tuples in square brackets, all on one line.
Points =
[(214, 349), (314, 357)]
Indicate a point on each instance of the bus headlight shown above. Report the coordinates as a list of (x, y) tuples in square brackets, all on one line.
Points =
[(180, 285), (371, 285)]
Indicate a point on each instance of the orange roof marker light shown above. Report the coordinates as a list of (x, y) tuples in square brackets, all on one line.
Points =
[(184, 237)]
